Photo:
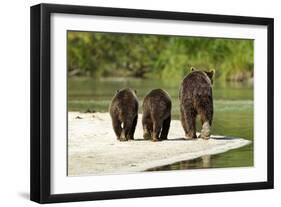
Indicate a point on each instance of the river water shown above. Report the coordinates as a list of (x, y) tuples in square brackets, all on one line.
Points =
[(233, 112)]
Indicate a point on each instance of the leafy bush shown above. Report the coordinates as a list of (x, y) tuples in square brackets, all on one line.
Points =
[(164, 57)]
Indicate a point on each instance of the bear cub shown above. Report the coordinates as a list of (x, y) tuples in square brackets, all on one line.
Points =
[(156, 117), (196, 98), (124, 114)]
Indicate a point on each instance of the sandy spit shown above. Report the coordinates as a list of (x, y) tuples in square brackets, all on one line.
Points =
[(94, 150)]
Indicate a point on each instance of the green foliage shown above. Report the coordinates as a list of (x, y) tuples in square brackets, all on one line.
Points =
[(164, 57)]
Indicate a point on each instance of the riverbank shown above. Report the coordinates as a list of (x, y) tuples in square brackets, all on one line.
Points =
[(94, 150)]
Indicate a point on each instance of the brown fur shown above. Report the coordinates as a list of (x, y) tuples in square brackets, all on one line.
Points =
[(156, 115), (196, 98), (124, 114)]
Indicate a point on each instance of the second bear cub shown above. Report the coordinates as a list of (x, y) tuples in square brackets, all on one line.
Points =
[(156, 118)]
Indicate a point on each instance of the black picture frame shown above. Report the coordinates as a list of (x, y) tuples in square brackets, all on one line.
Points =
[(41, 95)]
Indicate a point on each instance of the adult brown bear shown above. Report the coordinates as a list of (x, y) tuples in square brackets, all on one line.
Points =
[(124, 114), (196, 98), (156, 117)]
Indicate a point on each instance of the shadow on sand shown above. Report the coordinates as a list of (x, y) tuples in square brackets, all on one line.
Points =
[(184, 139)]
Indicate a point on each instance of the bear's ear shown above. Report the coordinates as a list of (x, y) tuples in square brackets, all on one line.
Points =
[(210, 74), (117, 91), (135, 91), (192, 69)]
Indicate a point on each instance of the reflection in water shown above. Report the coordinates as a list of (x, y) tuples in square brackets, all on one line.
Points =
[(206, 161), (201, 162)]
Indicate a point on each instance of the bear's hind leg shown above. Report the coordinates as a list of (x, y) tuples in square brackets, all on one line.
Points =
[(190, 118), (165, 128), (156, 130), (183, 121), (133, 128), (127, 124), (117, 127), (206, 122), (147, 126)]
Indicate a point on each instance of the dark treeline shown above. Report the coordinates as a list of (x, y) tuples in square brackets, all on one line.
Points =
[(164, 57)]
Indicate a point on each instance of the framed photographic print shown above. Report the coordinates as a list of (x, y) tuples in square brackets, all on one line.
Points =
[(133, 103)]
